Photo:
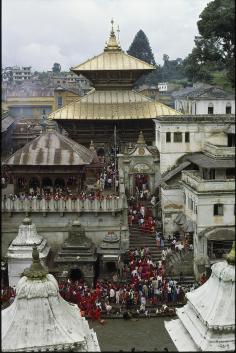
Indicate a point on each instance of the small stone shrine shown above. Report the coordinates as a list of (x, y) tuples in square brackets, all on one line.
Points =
[(77, 254), (110, 252), (19, 253), (207, 321), (40, 320)]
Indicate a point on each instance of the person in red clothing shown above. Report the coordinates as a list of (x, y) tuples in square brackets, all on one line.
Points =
[(203, 278)]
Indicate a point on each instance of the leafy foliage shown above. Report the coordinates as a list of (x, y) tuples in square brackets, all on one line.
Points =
[(214, 48), (56, 67)]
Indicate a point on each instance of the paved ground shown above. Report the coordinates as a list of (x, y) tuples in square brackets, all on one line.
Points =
[(147, 335)]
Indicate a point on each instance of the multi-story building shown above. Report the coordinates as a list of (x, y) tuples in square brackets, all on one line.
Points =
[(16, 73), (202, 204), (204, 100)]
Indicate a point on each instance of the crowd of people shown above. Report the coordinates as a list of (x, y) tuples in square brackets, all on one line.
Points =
[(108, 178), (142, 216), (141, 283), (90, 195)]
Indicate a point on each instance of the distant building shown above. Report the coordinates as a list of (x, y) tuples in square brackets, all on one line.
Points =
[(204, 100), (163, 87), (16, 73)]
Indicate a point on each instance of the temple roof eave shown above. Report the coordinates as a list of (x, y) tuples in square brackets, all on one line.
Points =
[(112, 105)]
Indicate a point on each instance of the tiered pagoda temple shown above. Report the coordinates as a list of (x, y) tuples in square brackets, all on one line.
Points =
[(113, 102)]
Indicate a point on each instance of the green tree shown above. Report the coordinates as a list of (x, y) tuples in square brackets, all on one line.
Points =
[(56, 67), (141, 49), (214, 48)]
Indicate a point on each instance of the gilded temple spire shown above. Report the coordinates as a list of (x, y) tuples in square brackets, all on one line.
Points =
[(112, 44)]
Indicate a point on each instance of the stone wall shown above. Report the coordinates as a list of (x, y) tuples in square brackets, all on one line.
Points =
[(53, 226)]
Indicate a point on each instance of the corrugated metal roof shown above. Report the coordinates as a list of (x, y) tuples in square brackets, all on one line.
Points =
[(6, 123), (51, 148), (205, 161), (113, 61), (112, 105)]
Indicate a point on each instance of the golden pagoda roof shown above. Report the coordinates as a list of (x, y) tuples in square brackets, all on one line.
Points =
[(112, 105), (113, 58)]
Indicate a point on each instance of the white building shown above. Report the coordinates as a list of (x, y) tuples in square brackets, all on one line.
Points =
[(39, 319), (207, 321), (179, 135), (202, 205), (202, 100), (19, 253), (163, 87), (17, 73)]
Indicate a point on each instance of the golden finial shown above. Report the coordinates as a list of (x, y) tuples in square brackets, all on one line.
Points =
[(112, 23), (231, 256), (36, 270), (112, 44), (141, 140)]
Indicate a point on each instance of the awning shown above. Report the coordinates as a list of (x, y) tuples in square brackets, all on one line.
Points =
[(220, 234), (180, 219), (205, 161), (176, 170)]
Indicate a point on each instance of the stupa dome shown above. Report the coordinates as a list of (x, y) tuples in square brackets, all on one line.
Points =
[(207, 321), (39, 319)]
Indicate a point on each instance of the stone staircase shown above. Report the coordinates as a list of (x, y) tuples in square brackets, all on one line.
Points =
[(139, 239)]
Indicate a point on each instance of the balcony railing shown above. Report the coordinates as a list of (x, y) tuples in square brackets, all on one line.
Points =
[(219, 151), (106, 205), (195, 181)]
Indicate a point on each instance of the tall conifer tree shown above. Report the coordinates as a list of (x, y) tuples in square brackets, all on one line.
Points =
[(140, 48)]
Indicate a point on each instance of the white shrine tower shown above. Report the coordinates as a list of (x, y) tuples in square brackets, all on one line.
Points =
[(19, 253), (207, 321), (40, 320)]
